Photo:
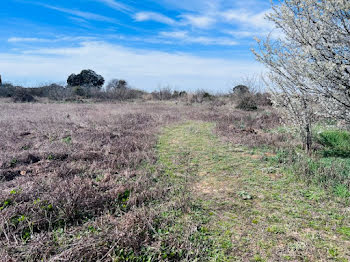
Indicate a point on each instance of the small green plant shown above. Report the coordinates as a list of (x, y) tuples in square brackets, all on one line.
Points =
[(15, 220), (6, 203), (14, 191), (92, 229), (344, 231), (26, 234), (245, 195), (26, 147), (67, 139), (124, 197), (49, 207), (13, 162), (342, 191), (276, 229), (333, 252), (22, 218), (258, 258)]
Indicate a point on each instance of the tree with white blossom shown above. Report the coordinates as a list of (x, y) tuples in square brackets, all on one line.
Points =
[(310, 63)]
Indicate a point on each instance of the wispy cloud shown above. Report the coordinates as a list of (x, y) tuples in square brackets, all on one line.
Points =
[(200, 21), (117, 5), (82, 14), (48, 40), (26, 39), (249, 24), (248, 18), (153, 16), (245, 34), (186, 37)]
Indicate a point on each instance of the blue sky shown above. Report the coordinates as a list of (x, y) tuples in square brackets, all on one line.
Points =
[(192, 44)]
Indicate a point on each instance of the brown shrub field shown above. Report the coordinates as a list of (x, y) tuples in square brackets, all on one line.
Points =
[(79, 182)]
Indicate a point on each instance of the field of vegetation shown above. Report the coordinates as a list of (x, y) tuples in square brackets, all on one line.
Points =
[(105, 172), (149, 180)]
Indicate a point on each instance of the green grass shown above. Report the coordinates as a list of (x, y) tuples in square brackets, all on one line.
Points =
[(248, 207), (336, 143), (331, 173)]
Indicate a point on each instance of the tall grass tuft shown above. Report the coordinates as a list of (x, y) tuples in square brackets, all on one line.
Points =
[(335, 143)]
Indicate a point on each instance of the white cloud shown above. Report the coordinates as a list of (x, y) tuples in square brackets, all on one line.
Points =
[(152, 16), (81, 14), (249, 24), (175, 34), (246, 34), (144, 69), (185, 36), (116, 5), (47, 40), (198, 20), (248, 18), (26, 39)]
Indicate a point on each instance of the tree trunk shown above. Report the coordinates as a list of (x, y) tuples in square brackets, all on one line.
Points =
[(308, 138)]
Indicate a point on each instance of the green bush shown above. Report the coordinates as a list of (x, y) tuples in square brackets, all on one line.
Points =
[(335, 143)]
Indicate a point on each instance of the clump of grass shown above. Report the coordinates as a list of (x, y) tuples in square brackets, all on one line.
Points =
[(336, 143), (330, 172)]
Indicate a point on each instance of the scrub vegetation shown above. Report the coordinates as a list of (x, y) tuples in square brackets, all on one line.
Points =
[(93, 173), (168, 181)]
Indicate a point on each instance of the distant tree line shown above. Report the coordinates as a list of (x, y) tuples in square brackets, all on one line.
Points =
[(89, 85)]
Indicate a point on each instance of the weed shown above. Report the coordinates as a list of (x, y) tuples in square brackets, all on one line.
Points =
[(344, 231), (13, 162), (6, 203), (276, 229), (67, 139), (342, 191)]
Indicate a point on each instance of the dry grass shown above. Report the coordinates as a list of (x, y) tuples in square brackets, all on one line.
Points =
[(246, 128), (82, 182), (71, 183)]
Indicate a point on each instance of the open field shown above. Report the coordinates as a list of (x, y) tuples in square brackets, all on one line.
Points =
[(162, 181)]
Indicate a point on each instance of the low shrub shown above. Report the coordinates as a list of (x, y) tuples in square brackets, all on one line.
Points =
[(7, 90), (247, 103), (164, 93), (263, 99), (202, 96), (79, 91), (335, 143), (22, 95)]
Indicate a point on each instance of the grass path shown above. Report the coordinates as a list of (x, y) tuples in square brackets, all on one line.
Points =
[(255, 211)]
